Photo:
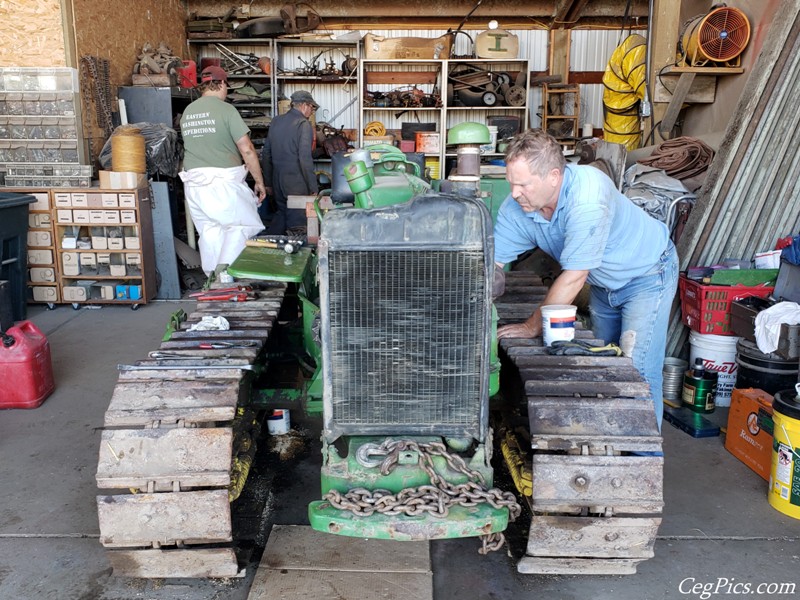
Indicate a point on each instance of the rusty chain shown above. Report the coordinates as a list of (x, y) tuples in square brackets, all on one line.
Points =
[(96, 73), (435, 499)]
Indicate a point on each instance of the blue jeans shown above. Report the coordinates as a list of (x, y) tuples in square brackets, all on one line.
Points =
[(636, 317)]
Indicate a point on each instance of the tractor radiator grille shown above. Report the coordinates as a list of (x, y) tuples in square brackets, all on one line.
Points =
[(406, 339)]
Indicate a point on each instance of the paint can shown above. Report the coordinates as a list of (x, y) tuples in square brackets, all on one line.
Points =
[(278, 422), (558, 322), (719, 356), (784, 476)]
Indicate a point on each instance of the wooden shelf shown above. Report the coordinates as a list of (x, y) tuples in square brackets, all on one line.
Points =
[(676, 70)]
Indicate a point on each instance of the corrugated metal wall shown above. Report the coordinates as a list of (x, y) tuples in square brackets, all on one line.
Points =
[(590, 51)]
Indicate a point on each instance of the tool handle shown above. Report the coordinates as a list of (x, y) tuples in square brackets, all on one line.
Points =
[(261, 244)]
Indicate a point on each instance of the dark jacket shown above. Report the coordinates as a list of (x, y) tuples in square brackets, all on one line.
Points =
[(286, 156)]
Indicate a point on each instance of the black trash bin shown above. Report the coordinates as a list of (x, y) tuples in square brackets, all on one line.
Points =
[(13, 244)]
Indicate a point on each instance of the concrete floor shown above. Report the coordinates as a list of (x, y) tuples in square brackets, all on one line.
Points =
[(717, 523)]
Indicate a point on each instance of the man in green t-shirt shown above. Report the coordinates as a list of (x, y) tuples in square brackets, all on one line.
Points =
[(218, 155)]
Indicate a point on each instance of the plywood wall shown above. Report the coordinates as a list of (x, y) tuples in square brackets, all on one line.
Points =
[(31, 34), (117, 30)]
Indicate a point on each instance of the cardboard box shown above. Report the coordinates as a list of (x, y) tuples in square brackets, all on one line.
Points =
[(39, 238), (126, 200), (115, 243), (64, 215), (132, 239), (70, 265), (127, 216), (117, 266), (44, 293), (428, 142), (75, 293), (88, 259), (42, 201), (97, 216), (109, 200), (95, 200), (40, 257), (99, 239), (63, 199), (122, 180), (377, 46), (111, 216), (80, 216), (39, 220), (750, 429), (107, 289), (80, 199), (42, 275)]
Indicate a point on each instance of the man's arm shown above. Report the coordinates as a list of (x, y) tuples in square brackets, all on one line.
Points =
[(250, 158), (564, 290), (266, 165)]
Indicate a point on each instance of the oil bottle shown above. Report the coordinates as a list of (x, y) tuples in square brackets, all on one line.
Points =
[(699, 388)]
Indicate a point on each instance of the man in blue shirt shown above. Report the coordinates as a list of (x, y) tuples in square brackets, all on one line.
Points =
[(576, 215)]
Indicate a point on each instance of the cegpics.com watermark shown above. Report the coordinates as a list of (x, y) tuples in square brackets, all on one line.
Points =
[(724, 586)]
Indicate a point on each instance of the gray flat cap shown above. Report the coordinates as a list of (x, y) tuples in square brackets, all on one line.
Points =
[(302, 96)]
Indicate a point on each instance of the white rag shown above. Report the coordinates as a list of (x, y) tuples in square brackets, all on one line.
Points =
[(224, 211), (209, 323), (768, 324)]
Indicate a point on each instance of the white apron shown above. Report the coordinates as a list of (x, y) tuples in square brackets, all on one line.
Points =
[(224, 211)]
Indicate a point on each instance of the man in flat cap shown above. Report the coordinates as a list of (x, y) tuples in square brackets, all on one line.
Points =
[(287, 163), (218, 155)]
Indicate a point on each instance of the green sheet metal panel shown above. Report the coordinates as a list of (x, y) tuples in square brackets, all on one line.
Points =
[(270, 264)]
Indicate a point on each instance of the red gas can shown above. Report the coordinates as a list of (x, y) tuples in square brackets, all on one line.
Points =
[(187, 74), (26, 370)]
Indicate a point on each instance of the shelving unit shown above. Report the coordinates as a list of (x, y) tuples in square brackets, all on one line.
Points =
[(41, 143), (319, 67), (314, 65), (561, 112), (258, 112), (104, 246), (440, 84), (41, 252)]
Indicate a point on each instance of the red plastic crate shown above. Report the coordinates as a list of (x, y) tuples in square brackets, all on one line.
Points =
[(707, 308)]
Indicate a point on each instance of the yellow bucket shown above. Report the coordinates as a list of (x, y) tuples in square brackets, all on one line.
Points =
[(784, 477)]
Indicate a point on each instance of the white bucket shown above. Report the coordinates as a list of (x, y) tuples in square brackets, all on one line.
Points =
[(492, 145), (558, 322), (719, 355), (278, 422)]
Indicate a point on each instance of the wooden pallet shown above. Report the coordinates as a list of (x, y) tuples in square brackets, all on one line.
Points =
[(595, 504), (170, 439)]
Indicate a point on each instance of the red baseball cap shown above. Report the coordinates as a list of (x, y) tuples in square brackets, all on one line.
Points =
[(213, 73)]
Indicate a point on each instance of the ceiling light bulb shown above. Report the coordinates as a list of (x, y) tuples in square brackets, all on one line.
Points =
[(493, 24)]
